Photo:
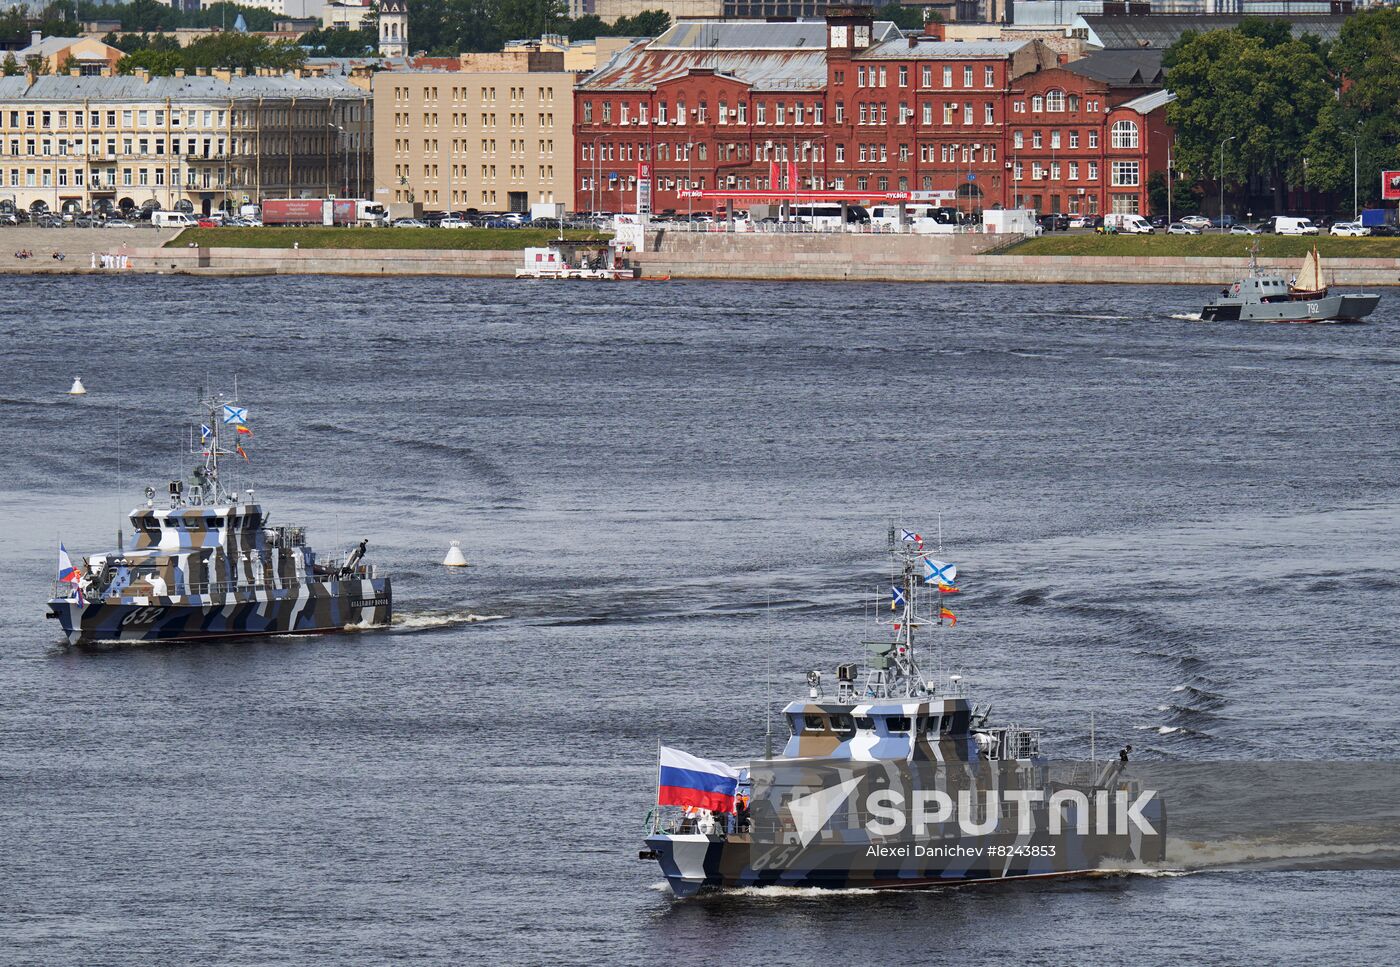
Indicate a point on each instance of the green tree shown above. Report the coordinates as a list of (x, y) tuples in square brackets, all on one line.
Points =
[(523, 19), (1266, 98), (586, 28), (9, 67), (333, 42), (1185, 199), (648, 23), (158, 62), (1363, 115), (906, 18)]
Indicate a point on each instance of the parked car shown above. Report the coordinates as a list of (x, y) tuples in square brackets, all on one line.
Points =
[(1244, 230), (117, 223), (208, 222), (1195, 221), (1055, 222), (454, 222), (1181, 228), (9, 218), (1158, 221), (49, 221), (1384, 231), (1354, 229), (87, 221), (409, 223)]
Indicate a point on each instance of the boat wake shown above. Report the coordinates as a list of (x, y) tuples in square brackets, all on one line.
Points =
[(429, 621), (1187, 316)]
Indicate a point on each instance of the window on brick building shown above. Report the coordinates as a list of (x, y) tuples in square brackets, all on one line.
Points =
[(947, 77), (967, 77), (1037, 104), (1055, 139), (1125, 134), (1125, 173), (1018, 140), (1093, 171), (947, 114), (1055, 101), (882, 77), (904, 77), (1036, 140), (840, 154), (1073, 103), (1074, 171), (840, 112), (989, 113), (1074, 139), (1093, 139), (860, 77), (967, 114), (928, 114), (818, 113), (926, 76), (989, 77), (587, 112)]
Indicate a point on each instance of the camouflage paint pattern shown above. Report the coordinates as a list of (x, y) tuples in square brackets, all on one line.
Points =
[(211, 571)]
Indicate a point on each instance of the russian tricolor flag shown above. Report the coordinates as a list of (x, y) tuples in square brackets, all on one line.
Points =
[(66, 571), (688, 780)]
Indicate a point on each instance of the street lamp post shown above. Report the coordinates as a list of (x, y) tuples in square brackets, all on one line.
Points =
[(345, 166), (1355, 141), (1222, 181)]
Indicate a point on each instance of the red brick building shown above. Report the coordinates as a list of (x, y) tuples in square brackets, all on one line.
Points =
[(856, 106)]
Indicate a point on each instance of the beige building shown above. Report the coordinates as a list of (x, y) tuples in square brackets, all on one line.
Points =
[(482, 137), (55, 54), (194, 143), (580, 56)]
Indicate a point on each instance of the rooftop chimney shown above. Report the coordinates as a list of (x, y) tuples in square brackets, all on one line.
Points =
[(934, 30), (143, 75), (179, 72), (34, 37)]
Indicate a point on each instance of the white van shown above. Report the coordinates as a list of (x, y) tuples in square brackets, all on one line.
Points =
[(172, 220), (1287, 225), (1127, 223)]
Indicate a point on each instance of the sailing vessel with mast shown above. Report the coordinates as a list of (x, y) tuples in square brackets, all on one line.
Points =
[(1268, 297), (823, 813), (210, 565)]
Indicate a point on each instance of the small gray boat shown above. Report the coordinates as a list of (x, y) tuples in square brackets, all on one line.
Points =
[(1263, 297)]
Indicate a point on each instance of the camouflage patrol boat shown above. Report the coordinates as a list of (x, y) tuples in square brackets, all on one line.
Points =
[(209, 564), (897, 781)]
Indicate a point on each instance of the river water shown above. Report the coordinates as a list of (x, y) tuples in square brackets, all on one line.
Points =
[(673, 495)]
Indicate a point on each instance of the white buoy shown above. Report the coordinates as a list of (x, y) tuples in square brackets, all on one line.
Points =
[(454, 556), (78, 388)]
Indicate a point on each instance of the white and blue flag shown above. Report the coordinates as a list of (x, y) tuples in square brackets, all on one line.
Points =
[(235, 414), (204, 432), (937, 572), (896, 598), (909, 537)]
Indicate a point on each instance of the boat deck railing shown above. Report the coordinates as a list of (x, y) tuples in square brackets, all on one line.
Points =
[(65, 591)]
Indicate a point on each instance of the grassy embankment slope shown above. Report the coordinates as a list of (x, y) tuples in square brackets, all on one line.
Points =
[(472, 239), (1205, 246)]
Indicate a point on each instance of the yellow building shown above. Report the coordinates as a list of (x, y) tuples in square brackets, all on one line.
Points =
[(482, 137), (59, 54), (194, 143)]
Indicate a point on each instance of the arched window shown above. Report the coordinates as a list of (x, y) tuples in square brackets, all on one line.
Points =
[(1054, 100), (1125, 134)]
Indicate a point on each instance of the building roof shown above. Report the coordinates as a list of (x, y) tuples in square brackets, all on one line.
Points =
[(1138, 67), (130, 88), (1163, 30), (1147, 103), (756, 35), (926, 48), (765, 56)]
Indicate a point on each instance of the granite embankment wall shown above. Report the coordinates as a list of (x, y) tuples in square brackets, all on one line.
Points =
[(869, 258), (906, 258)]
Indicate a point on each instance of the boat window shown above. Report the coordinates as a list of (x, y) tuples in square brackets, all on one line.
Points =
[(956, 724), (814, 723), (932, 727), (842, 722), (865, 722), (897, 724)]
